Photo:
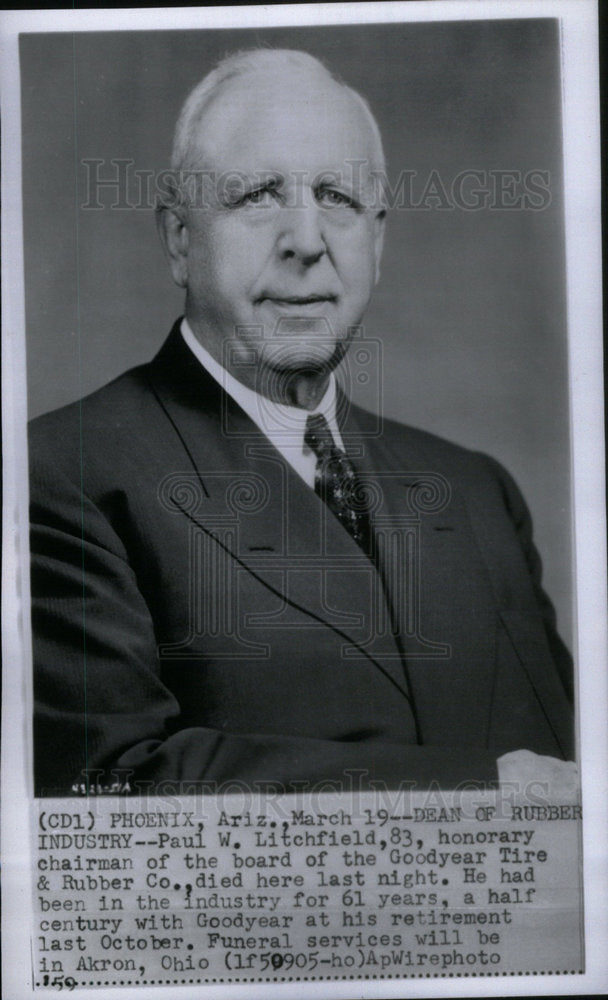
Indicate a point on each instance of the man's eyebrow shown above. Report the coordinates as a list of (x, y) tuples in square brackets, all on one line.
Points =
[(337, 181), (274, 177), (342, 179), (232, 184)]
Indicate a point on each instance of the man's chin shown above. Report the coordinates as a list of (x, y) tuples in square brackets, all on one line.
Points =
[(281, 371), (313, 359)]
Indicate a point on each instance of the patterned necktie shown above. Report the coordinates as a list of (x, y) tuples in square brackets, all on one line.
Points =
[(336, 482)]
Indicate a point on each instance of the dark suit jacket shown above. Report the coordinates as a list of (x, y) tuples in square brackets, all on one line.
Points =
[(199, 614)]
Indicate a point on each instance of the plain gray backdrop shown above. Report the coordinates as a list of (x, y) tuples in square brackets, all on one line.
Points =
[(470, 311)]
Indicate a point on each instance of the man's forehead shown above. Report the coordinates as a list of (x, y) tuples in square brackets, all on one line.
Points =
[(292, 119)]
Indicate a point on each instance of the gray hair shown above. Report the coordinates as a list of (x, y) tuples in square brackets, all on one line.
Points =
[(240, 64)]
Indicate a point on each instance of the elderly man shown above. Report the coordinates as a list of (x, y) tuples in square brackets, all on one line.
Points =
[(237, 574)]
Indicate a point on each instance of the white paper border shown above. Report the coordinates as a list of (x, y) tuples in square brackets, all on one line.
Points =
[(580, 84)]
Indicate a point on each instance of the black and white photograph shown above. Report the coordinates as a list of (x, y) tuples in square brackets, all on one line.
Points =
[(237, 573), (303, 455)]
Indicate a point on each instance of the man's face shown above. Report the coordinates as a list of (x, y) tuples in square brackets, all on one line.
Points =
[(284, 245)]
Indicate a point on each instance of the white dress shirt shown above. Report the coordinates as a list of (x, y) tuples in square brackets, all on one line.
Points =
[(284, 426)]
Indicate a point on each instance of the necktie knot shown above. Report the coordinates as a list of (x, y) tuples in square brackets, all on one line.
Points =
[(318, 436)]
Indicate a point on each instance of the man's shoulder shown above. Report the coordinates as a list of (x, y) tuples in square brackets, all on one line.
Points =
[(107, 438), (474, 474), (108, 408), (116, 407), (408, 442)]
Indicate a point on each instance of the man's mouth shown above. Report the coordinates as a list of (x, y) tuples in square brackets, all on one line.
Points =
[(297, 300)]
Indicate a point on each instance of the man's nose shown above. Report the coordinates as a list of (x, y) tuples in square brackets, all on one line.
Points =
[(301, 235)]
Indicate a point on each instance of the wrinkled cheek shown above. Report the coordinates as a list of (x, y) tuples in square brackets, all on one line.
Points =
[(360, 274)]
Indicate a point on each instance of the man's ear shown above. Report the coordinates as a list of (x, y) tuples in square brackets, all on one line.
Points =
[(174, 237), (379, 226)]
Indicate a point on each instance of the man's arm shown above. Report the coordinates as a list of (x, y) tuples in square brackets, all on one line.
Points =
[(520, 515), (521, 768)]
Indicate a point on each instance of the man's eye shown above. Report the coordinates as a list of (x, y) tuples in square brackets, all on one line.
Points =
[(259, 196), (335, 199)]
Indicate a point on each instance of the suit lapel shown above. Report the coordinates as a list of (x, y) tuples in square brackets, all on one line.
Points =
[(258, 509)]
